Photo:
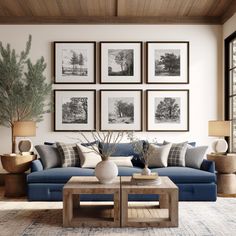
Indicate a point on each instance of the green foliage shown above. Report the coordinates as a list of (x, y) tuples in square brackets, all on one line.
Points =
[(22, 86)]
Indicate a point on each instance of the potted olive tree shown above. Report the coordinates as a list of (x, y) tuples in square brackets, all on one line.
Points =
[(23, 90)]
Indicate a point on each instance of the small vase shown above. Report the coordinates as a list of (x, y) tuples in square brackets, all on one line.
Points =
[(146, 170), (106, 171)]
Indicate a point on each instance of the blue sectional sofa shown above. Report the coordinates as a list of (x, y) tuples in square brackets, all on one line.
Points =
[(194, 184)]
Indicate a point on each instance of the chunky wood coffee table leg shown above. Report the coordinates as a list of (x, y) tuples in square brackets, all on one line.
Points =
[(124, 208), (164, 201), (174, 208), (67, 208)]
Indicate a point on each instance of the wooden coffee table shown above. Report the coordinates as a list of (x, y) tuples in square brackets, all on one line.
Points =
[(153, 217), (76, 214)]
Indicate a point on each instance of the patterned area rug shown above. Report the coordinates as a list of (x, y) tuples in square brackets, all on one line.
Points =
[(45, 218)]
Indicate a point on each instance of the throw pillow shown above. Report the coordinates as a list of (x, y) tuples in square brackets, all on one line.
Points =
[(194, 156), (88, 157), (177, 153), (158, 155), (49, 155), (69, 154), (122, 160)]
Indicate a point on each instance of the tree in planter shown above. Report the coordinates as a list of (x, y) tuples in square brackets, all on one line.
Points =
[(22, 87)]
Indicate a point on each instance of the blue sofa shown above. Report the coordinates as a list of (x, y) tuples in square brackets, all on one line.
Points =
[(194, 184)]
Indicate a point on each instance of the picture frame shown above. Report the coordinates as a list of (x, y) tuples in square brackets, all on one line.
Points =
[(75, 62), (167, 62), (74, 110), (167, 110), (121, 62), (121, 110)]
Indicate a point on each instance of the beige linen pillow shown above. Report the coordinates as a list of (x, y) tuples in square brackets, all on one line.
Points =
[(158, 155), (122, 160), (88, 157)]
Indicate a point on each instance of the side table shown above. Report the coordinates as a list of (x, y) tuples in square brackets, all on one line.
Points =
[(226, 176), (15, 180)]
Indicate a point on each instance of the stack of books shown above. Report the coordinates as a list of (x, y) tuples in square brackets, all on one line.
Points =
[(152, 179)]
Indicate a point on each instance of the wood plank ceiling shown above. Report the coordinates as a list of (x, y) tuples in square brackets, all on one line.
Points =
[(116, 11)]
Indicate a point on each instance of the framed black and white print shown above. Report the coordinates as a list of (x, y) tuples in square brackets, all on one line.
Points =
[(121, 62), (168, 62), (167, 110), (75, 62), (74, 110), (121, 110)]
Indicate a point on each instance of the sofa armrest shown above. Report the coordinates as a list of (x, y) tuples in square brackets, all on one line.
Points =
[(208, 166), (36, 165)]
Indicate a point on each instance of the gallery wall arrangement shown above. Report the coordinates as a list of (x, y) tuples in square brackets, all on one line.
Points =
[(121, 62)]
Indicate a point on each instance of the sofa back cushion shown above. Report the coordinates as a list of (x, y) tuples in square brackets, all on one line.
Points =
[(158, 155), (49, 155), (177, 154), (125, 149), (194, 156), (69, 154), (88, 157)]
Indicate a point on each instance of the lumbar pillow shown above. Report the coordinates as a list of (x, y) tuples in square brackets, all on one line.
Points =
[(49, 156), (122, 160), (69, 154), (88, 157), (177, 154), (194, 156), (158, 155)]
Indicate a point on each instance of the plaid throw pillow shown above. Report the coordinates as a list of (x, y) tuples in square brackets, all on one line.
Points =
[(69, 154), (177, 153)]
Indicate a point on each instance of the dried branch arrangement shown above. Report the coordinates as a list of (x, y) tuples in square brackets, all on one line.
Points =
[(108, 141)]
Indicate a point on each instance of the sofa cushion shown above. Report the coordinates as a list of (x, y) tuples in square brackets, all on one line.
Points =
[(69, 154), (58, 175), (49, 156), (126, 149), (177, 154), (186, 175), (194, 156)]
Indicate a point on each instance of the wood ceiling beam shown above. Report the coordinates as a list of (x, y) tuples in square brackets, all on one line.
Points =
[(107, 20), (229, 12)]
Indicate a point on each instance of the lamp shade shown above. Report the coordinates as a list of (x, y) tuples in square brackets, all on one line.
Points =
[(219, 128), (24, 129)]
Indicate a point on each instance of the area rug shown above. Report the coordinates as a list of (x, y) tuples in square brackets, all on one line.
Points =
[(45, 219)]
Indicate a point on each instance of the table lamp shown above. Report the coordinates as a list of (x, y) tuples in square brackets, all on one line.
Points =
[(24, 129), (221, 129)]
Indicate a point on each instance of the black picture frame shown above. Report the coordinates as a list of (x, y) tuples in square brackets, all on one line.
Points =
[(150, 78), (92, 60), (57, 113), (139, 61), (172, 93), (138, 111)]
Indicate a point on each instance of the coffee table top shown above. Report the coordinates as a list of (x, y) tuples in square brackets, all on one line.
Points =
[(90, 182), (166, 183)]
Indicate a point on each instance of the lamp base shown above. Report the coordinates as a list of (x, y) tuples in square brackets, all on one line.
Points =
[(25, 145), (220, 146)]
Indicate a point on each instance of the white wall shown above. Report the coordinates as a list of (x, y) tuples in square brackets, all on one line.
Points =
[(229, 26), (205, 68)]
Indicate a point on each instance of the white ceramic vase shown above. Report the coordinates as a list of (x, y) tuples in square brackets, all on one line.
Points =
[(146, 171), (106, 171)]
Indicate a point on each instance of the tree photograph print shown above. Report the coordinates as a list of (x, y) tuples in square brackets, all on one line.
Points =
[(121, 62), (121, 110), (75, 62), (75, 110), (168, 62), (167, 110)]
